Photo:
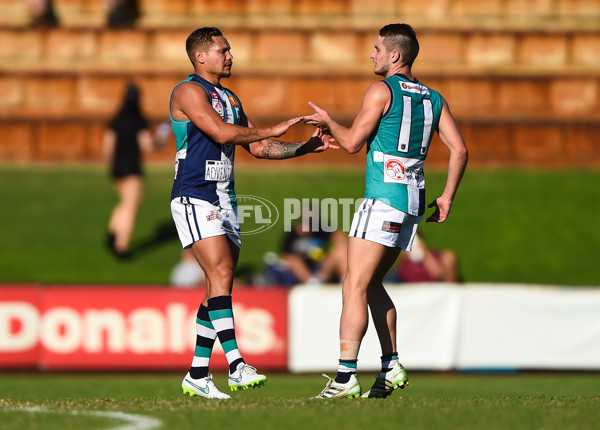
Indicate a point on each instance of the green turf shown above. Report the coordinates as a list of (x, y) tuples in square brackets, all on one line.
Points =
[(506, 225), (432, 401)]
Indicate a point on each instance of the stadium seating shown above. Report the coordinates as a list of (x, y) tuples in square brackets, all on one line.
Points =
[(522, 77)]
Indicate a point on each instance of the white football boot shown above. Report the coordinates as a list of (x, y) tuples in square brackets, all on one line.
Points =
[(203, 387), (245, 377), (336, 390)]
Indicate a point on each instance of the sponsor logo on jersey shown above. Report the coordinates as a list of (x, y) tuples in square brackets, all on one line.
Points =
[(401, 170), (394, 169), (217, 104), (414, 88), (218, 170)]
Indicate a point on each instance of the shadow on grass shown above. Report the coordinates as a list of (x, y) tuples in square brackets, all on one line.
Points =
[(163, 233)]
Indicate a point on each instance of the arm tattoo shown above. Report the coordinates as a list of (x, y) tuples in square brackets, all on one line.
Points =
[(276, 149)]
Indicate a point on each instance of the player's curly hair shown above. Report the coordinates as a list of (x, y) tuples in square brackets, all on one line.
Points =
[(403, 38), (200, 39)]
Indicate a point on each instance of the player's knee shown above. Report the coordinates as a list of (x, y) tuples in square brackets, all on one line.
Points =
[(221, 273), (354, 289)]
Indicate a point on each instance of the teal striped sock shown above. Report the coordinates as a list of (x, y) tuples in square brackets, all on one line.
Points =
[(205, 339), (220, 310)]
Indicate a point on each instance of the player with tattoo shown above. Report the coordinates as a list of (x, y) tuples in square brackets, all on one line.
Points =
[(208, 122)]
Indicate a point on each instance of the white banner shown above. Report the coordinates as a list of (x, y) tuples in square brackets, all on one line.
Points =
[(529, 327), (427, 327), (468, 327)]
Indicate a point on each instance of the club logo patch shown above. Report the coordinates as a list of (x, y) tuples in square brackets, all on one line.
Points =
[(217, 103), (214, 215)]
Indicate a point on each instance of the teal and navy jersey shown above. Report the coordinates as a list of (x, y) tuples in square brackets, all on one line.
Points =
[(397, 148), (204, 168)]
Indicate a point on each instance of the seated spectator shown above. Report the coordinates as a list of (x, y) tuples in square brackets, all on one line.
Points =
[(423, 264), (187, 273), (308, 257), (41, 13)]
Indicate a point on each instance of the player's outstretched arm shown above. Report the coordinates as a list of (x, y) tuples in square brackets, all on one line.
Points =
[(452, 138), (189, 101), (375, 101), (278, 150)]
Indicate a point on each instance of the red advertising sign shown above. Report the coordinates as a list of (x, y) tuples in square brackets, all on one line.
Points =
[(19, 322), (132, 328)]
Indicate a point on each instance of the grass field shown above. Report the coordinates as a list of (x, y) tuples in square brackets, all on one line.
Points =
[(432, 401), (506, 226)]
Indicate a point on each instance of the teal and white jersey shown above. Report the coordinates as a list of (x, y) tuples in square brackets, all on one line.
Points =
[(397, 149)]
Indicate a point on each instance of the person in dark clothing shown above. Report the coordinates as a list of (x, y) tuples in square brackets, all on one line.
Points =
[(122, 13), (125, 140), (314, 256)]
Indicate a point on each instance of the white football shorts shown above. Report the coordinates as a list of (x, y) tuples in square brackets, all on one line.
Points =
[(380, 223), (198, 219)]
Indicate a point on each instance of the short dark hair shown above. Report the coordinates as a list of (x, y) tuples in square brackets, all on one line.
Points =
[(403, 38), (200, 39)]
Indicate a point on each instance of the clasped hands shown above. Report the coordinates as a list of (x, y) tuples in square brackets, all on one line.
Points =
[(321, 140)]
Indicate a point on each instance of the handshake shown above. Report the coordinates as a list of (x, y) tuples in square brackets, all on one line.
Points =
[(322, 139)]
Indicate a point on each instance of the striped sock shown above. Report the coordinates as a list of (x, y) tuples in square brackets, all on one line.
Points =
[(205, 339), (220, 311), (388, 361), (346, 368)]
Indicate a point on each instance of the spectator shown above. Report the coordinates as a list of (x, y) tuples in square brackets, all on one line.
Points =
[(122, 13), (187, 273), (424, 264), (41, 13), (309, 257), (125, 140)]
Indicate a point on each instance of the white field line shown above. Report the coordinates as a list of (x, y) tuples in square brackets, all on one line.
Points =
[(133, 421)]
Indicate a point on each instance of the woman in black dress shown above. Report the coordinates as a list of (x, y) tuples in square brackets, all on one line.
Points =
[(125, 140)]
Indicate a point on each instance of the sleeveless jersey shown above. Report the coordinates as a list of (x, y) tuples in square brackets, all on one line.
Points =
[(397, 148), (204, 168)]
